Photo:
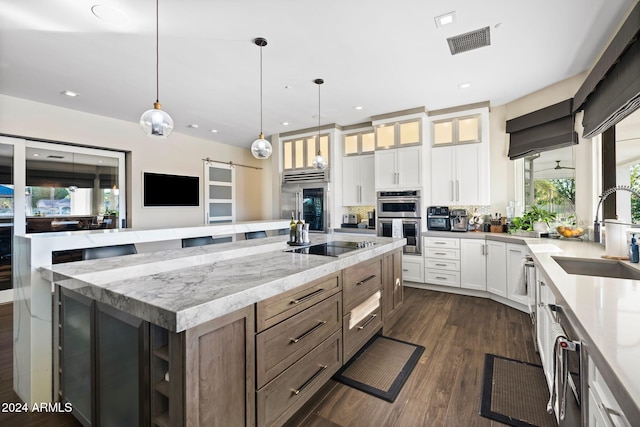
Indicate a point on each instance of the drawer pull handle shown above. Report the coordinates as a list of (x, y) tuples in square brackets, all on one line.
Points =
[(405, 269), (440, 243), (440, 253), (441, 265), (441, 278), (309, 332), (364, 325), (362, 282), (306, 297), (309, 381)]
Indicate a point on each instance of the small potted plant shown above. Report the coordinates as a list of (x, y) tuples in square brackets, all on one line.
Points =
[(540, 219)]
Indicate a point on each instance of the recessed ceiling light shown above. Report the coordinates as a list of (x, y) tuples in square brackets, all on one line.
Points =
[(214, 131), (69, 93), (193, 126), (465, 85), (36, 155), (446, 19), (109, 14), (285, 123), (100, 161), (288, 87), (358, 107)]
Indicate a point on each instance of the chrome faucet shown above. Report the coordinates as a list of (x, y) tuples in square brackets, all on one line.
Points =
[(606, 193)]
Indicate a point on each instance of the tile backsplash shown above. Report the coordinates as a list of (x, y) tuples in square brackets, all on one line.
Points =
[(361, 211)]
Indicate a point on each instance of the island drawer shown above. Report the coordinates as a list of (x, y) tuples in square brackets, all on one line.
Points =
[(280, 307), (360, 282), (358, 336), (280, 346), (284, 395)]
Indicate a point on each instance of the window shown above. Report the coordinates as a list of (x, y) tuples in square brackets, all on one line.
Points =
[(628, 167), (550, 183)]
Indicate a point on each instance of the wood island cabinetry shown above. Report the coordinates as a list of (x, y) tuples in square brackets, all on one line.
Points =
[(255, 366)]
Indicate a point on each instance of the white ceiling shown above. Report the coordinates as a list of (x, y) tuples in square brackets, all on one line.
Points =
[(385, 56)]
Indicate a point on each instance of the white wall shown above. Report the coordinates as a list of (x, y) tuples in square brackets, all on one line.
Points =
[(179, 154)]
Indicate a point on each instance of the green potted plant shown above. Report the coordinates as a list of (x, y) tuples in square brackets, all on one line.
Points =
[(540, 218)]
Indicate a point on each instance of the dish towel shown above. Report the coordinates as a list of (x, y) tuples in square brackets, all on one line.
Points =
[(396, 228), (364, 309), (556, 334)]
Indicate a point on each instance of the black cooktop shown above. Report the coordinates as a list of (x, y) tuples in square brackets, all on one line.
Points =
[(334, 249)]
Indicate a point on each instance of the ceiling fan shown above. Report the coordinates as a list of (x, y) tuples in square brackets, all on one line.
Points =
[(561, 167), (558, 167)]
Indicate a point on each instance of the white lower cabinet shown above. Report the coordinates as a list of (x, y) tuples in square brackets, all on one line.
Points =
[(413, 268), (496, 268), (603, 409), (442, 261), (473, 265), (516, 287), (545, 317)]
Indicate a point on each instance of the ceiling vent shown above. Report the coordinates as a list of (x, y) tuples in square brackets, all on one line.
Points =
[(469, 41)]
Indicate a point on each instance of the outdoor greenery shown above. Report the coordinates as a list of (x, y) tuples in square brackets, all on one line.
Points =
[(635, 184), (557, 195)]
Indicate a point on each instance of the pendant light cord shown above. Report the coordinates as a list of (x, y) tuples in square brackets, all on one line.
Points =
[(157, 55), (261, 90)]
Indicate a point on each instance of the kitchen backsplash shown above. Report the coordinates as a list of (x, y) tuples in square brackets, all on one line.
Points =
[(361, 211)]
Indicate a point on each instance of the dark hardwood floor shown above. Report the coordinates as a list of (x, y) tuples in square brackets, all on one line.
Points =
[(444, 388), (7, 395)]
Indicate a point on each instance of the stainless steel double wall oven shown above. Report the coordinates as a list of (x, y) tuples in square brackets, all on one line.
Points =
[(404, 207)]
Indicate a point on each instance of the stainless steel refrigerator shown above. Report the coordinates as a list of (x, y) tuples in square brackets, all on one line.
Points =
[(310, 200)]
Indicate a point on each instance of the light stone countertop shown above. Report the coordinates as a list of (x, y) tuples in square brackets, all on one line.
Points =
[(182, 288), (605, 311)]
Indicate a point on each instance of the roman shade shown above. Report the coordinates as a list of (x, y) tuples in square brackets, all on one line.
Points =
[(611, 91), (542, 130)]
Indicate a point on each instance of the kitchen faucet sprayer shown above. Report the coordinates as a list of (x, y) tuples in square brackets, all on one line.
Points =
[(606, 193)]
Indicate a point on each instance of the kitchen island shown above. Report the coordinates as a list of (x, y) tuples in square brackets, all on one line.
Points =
[(205, 317)]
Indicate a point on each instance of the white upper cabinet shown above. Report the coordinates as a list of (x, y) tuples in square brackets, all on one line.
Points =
[(460, 158), (398, 168), (399, 153), (398, 134), (358, 177), (359, 143), (298, 153)]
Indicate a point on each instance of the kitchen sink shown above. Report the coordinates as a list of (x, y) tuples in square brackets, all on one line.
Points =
[(598, 267)]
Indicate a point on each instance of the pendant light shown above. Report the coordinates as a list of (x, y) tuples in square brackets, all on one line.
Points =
[(319, 162), (155, 122), (261, 148), (73, 187)]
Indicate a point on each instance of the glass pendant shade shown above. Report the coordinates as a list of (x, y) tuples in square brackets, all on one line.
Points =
[(319, 162), (156, 123), (261, 148)]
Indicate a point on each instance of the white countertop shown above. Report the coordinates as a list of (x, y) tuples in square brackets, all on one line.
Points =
[(606, 311), (182, 288)]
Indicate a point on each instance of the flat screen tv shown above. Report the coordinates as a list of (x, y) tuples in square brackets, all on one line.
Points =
[(171, 190)]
